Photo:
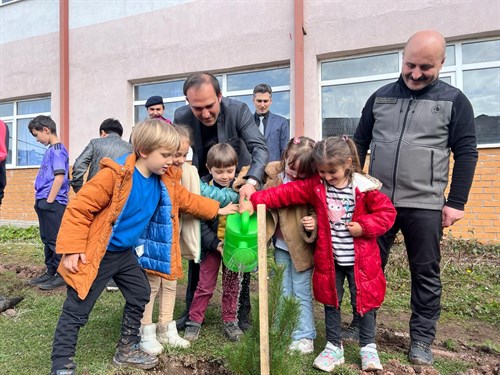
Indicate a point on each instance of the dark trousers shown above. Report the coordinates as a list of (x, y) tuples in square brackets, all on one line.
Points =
[(49, 219), (244, 305), (3, 180), (422, 232), (193, 278), (130, 278), (333, 316)]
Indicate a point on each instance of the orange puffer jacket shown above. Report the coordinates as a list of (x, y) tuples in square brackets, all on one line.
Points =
[(88, 221)]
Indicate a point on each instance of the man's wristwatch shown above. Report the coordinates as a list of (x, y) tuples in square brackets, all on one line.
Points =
[(252, 181)]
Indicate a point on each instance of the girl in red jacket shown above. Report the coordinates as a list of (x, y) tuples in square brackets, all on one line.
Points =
[(351, 214)]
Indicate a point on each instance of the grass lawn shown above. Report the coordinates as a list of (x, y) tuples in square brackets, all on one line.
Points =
[(467, 333)]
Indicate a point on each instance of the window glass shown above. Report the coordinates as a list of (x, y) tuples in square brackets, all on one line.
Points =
[(446, 79), (9, 155), (248, 80), (450, 56), (342, 101), (6, 109), (163, 89), (29, 151), (280, 105), (481, 51), (23, 148), (342, 105), (482, 87), (360, 67), (28, 107), (141, 113), (243, 83)]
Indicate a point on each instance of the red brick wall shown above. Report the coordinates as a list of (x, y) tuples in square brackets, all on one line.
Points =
[(481, 220)]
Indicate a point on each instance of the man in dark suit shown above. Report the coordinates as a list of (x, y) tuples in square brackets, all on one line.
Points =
[(214, 119), (275, 128)]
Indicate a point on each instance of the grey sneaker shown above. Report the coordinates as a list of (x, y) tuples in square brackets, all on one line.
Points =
[(40, 279), (232, 331), (133, 355), (55, 282), (192, 331), (420, 353), (351, 333)]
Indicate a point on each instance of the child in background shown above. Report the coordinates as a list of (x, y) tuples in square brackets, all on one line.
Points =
[(51, 197), (153, 336), (292, 244), (127, 211), (222, 161), (351, 214)]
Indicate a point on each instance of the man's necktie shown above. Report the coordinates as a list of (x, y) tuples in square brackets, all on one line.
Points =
[(261, 124)]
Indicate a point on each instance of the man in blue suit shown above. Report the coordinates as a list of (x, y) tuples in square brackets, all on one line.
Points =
[(275, 128)]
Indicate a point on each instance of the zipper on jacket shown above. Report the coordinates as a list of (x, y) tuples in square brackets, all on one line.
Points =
[(432, 167), (398, 148), (372, 156)]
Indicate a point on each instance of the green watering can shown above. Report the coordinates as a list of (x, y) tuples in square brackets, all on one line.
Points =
[(240, 242)]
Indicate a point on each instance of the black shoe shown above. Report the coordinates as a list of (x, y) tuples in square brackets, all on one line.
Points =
[(111, 286), (244, 325), (133, 355), (43, 278), (9, 303), (351, 333), (420, 353), (181, 322), (64, 372), (69, 369), (55, 282)]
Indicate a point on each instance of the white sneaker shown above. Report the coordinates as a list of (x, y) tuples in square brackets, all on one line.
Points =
[(167, 334), (149, 343), (329, 358), (304, 346), (369, 358)]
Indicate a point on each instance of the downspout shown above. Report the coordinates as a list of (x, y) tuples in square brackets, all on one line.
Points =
[(64, 71), (298, 72)]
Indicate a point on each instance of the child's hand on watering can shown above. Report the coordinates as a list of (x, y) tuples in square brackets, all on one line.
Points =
[(246, 206), (309, 223), (231, 208), (220, 248)]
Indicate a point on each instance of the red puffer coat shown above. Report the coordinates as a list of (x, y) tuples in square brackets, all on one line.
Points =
[(373, 211)]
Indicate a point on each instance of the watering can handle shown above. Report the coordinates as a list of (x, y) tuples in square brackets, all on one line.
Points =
[(245, 220)]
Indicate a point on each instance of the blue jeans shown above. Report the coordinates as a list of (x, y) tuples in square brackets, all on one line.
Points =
[(298, 285)]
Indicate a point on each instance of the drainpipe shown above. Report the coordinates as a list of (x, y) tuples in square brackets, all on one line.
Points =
[(64, 71), (298, 47)]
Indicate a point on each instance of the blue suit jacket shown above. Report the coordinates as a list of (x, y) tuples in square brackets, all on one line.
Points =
[(277, 135)]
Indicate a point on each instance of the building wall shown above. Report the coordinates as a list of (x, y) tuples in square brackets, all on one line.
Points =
[(481, 220), (115, 44)]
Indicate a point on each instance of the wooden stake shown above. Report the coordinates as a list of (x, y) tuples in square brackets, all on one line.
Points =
[(263, 301)]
